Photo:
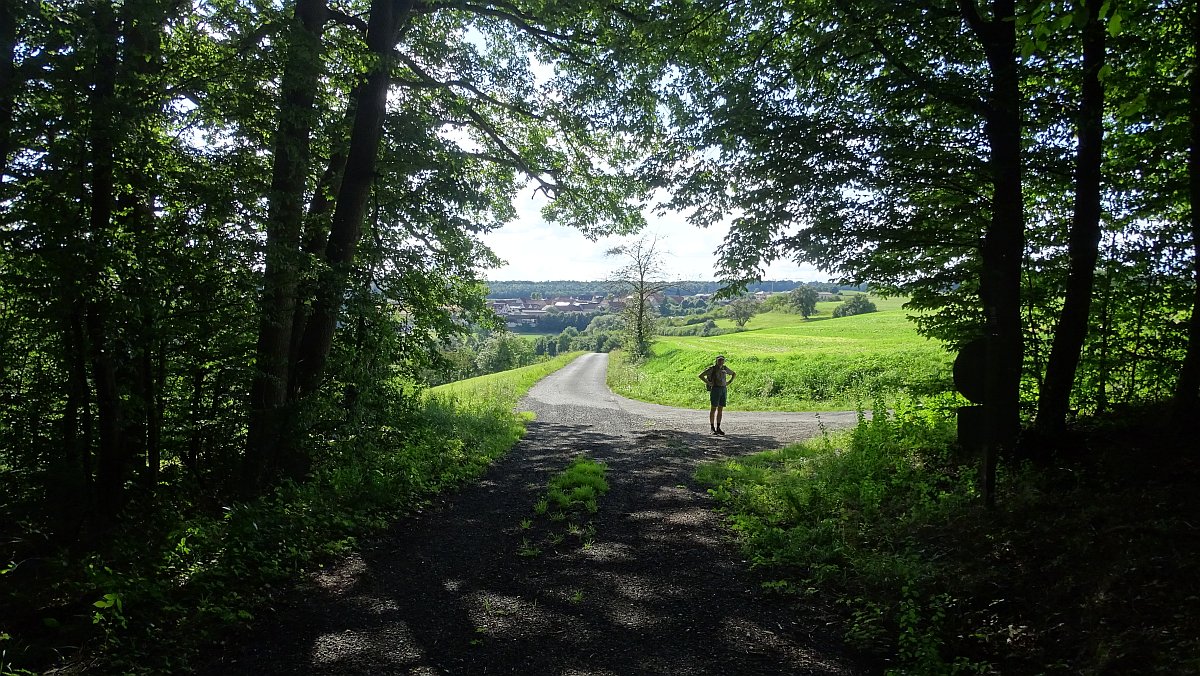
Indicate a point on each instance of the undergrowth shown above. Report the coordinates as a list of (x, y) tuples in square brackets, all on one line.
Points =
[(145, 601), (1080, 569)]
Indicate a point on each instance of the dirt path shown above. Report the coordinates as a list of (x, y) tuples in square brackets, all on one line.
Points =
[(661, 590)]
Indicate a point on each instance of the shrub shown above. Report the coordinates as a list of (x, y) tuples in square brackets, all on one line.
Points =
[(856, 305)]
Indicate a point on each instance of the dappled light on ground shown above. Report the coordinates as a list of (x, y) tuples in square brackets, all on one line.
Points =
[(658, 588)]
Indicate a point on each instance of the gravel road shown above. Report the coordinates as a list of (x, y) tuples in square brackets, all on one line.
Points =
[(660, 589)]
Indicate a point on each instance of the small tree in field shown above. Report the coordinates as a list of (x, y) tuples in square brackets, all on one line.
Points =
[(804, 300), (640, 278), (742, 310)]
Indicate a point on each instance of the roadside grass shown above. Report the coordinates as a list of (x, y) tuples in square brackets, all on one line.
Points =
[(505, 387), (149, 601), (785, 362), (1088, 567), (565, 509)]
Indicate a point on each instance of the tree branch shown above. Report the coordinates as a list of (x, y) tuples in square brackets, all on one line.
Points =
[(925, 83), (427, 81), (339, 17)]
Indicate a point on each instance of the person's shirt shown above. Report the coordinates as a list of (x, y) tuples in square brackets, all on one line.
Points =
[(716, 375)]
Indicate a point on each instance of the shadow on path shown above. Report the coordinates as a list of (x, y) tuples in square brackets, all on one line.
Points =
[(662, 589)]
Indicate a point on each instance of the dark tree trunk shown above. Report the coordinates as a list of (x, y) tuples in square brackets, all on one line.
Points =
[(1004, 240), (191, 458), (1187, 388), (316, 239), (142, 24), (68, 489), (111, 461), (369, 113), (8, 40), (1103, 368), (1083, 246), (269, 412)]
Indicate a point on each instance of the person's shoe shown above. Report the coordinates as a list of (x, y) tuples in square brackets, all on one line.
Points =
[(718, 431)]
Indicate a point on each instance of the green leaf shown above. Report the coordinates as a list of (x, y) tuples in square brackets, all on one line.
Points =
[(1114, 25)]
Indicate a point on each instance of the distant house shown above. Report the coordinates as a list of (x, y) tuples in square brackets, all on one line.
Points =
[(573, 305), (825, 296), (615, 305)]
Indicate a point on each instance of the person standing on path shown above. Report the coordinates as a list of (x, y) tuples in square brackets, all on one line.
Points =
[(715, 380)]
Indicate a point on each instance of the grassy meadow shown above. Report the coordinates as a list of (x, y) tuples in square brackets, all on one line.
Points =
[(786, 362)]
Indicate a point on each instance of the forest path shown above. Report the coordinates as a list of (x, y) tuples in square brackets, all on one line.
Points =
[(661, 589)]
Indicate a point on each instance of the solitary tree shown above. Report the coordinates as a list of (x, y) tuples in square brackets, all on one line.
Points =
[(742, 310), (804, 300), (640, 278)]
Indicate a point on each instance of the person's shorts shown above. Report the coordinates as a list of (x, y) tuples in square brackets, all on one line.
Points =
[(716, 396)]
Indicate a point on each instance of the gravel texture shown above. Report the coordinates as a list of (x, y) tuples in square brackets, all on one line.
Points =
[(662, 588)]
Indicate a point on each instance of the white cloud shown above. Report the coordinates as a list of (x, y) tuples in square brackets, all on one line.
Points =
[(539, 251)]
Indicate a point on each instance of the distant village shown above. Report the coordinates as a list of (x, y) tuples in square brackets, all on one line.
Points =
[(525, 312)]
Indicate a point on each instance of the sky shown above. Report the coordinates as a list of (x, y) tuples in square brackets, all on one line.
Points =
[(539, 251)]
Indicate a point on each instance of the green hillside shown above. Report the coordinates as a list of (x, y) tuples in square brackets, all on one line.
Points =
[(785, 362)]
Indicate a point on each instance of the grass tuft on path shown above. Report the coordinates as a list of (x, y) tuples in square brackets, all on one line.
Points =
[(572, 497)]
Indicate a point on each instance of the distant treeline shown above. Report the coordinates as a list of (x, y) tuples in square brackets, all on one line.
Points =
[(524, 289)]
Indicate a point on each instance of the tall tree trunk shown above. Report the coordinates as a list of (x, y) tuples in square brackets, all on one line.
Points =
[(111, 460), (8, 84), (269, 411), (316, 239), (1187, 388), (191, 457), (68, 486), (141, 64), (1103, 367), (1004, 239), (1083, 246), (369, 113)]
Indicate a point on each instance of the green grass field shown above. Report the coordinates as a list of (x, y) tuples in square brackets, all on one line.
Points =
[(785, 362)]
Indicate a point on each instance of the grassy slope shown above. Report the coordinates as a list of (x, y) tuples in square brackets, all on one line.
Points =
[(785, 362), (506, 386)]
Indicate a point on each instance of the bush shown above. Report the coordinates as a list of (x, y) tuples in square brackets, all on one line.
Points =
[(856, 305)]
